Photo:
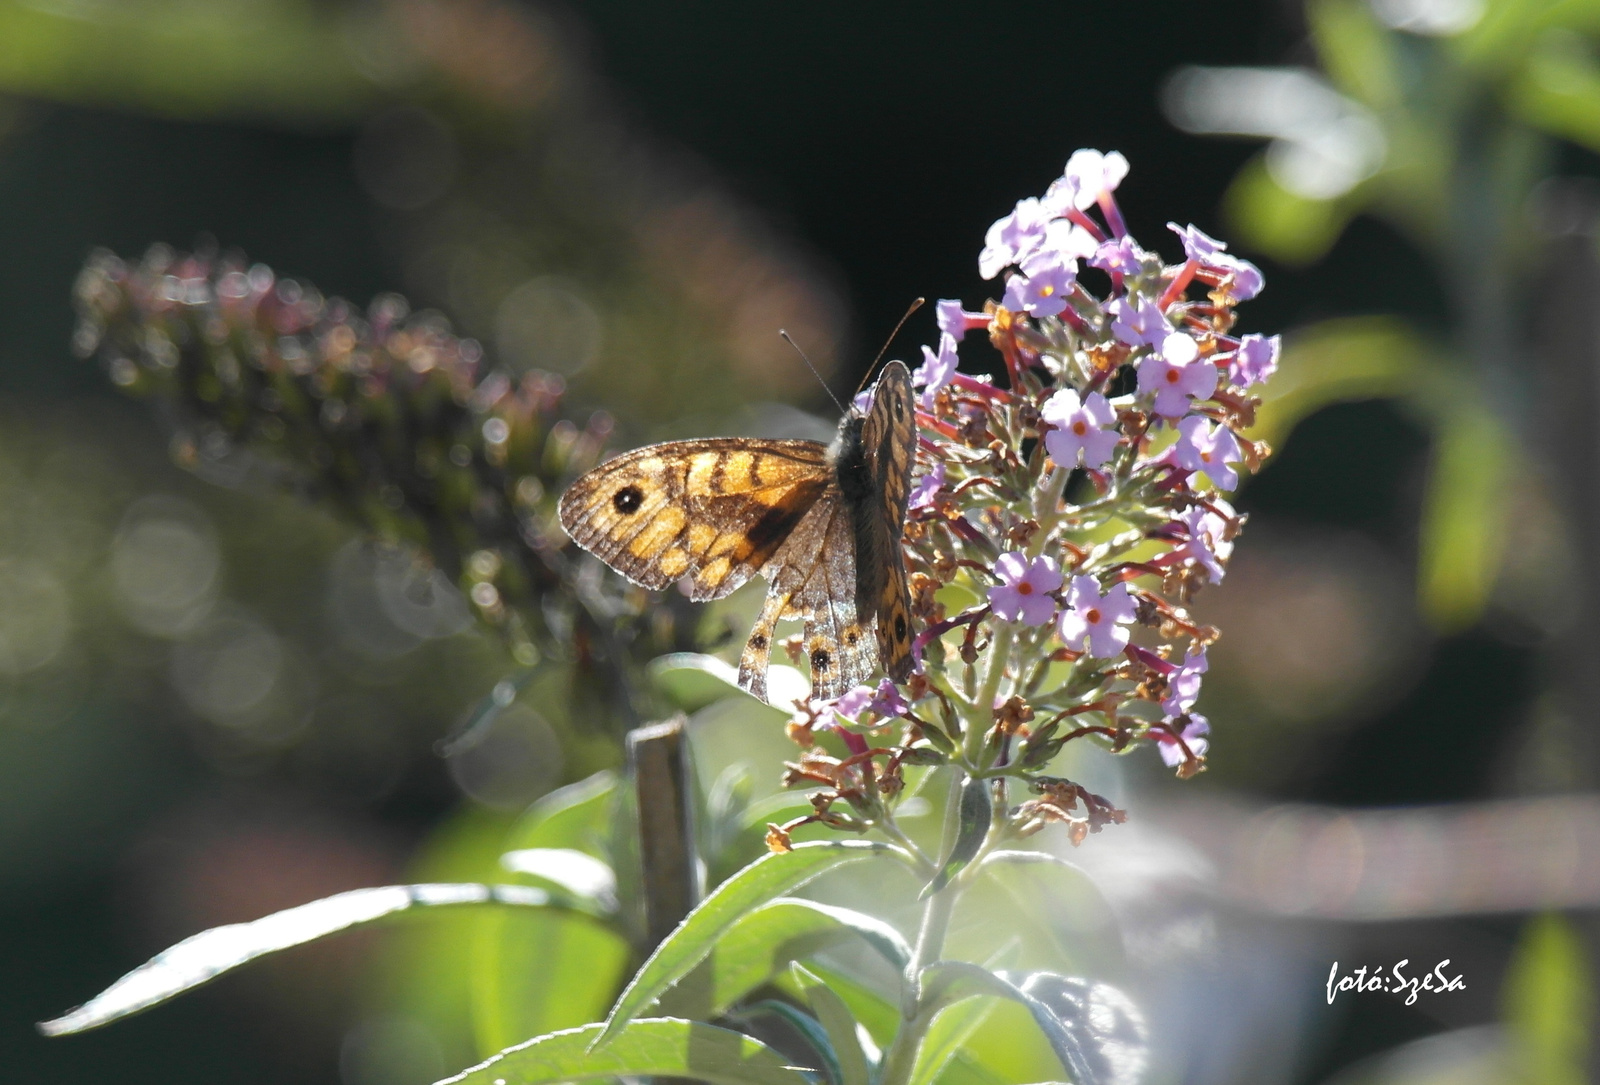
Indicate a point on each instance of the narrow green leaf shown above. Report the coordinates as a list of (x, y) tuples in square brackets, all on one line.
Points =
[(1558, 90), (840, 1024), (695, 937), (1009, 1048), (691, 681), (1338, 361), (203, 957), (289, 61), (810, 1030), (1029, 858), (964, 1070), (535, 972), (1356, 51), (879, 1016), (760, 945), (1095, 1031), (650, 1047), (576, 872), (976, 813), (1550, 1003), (951, 1028), (1061, 905), (574, 816), (1280, 223), (1106, 1029), (1462, 533)]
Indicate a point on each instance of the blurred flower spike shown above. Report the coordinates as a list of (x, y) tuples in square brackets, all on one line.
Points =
[(1062, 519), (384, 414)]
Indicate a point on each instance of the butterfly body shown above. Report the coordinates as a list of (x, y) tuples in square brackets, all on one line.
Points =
[(822, 524)]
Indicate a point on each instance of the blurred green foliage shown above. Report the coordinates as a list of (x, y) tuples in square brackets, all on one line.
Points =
[(1470, 122), (1550, 1004), (485, 979)]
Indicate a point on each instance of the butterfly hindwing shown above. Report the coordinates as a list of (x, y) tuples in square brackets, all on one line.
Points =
[(889, 437), (795, 564), (838, 644), (715, 510)]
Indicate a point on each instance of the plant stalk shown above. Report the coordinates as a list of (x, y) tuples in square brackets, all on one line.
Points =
[(915, 1016)]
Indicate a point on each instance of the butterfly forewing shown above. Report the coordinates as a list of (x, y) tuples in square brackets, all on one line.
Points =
[(714, 510)]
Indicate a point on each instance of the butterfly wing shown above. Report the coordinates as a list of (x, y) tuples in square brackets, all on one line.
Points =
[(814, 574), (889, 440), (717, 510)]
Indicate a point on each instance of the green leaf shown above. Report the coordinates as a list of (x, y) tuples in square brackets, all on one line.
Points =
[(697, 935), (285, 60), (1550, 1002), (1356, 51), (877, 1014), (575, 872), (1009, 1048), (203, 957), (1338, 361), (809, 1028), (574, 816), (760, 945), (1095, 1031), (976, 814), (951, 1029), (539, 971), (963, 1070), (690, 681), (1558, 90), (1499, 40), (1285, 226), (840, 1023), (1462, 534), (1063, 911), (651, 1047)]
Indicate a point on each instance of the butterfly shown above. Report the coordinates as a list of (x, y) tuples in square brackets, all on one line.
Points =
[(822, 523)]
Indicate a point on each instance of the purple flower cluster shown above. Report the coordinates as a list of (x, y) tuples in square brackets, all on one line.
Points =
[(1062, 517)]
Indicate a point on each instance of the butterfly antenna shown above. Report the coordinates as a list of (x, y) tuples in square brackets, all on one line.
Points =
[(873, 368), (787, 338)]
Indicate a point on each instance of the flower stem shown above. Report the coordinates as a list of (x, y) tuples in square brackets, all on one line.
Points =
[(977, 726), (901, 1058), (1047, 509)]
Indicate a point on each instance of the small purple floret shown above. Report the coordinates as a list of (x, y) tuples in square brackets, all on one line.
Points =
[(1083, 430), (1176, 375), (1183, 687), (1213, 449), (1023, 592), (1102, 620)]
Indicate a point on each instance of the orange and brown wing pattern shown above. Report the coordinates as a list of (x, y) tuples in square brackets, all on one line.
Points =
[(889, 437), (715, 510)]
